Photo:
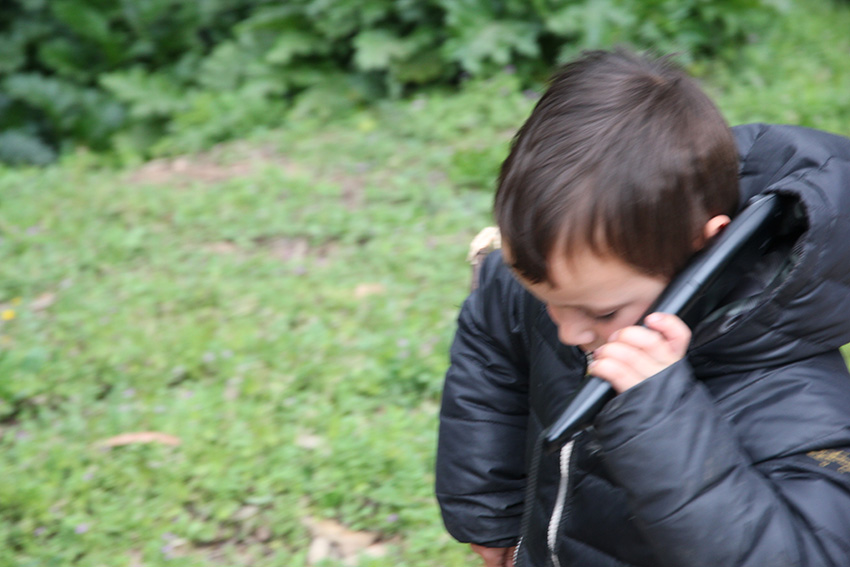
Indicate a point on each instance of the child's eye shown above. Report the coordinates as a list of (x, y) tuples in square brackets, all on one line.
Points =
[(606, 316)]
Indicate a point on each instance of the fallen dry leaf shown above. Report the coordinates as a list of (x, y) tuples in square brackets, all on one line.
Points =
[(137, 558), (320, 549), (309, 441), (139, 438), (43, 301), (263, 534), (332, 540), (367, 289), (222, 247)]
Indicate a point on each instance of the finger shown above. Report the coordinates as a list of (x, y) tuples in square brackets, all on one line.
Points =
[(651, 342), (673, 329), (619, 374), (644, 363)]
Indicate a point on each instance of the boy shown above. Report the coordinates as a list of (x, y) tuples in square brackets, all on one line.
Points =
[(726, 447)]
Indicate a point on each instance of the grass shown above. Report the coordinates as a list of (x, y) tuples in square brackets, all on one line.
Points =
[(290, 333), (283, 307)]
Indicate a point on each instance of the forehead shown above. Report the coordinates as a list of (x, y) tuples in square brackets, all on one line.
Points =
[(587, 274), (588, 280)]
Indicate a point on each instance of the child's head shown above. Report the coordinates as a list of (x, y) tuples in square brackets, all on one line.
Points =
[(623, 157)]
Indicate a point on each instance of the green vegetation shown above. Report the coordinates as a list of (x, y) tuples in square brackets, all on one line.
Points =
[(118, 76), (282, 307), (796, 72)]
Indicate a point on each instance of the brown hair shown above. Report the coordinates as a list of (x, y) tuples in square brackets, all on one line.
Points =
[(624, 155)]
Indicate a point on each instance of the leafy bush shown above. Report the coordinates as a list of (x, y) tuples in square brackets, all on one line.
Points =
[(55, 54), (124, 74)]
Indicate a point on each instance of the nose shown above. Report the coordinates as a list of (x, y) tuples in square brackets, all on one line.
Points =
[(573, 328)]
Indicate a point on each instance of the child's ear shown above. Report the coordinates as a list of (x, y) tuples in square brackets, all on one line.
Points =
[(711, 229), (715, 225)]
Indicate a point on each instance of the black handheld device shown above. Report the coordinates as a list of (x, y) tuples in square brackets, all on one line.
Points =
[(691, 295)]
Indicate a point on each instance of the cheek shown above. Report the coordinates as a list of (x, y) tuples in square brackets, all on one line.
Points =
[(605, 330), (627, 318)]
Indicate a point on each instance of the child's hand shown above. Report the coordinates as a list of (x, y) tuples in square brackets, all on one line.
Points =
[(495, 556), (633, 354)]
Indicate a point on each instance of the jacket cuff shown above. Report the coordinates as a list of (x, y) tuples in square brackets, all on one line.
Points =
[(643, 406)]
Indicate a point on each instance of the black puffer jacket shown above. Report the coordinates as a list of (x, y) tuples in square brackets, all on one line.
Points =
[(738, 455)]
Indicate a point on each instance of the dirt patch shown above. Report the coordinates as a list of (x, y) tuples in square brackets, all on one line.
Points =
[(248, 536), (241, 159), (288, 249), (283, 248), (222, 163)]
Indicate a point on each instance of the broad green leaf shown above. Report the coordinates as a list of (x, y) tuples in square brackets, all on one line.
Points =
[(21, 148), (493, 42), (147, 95), (12, 55), (62, 56), (420, 68), (374, 49), (293, 43), (83, 18)]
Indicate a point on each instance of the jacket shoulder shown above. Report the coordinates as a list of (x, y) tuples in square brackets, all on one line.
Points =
[(790, 409)]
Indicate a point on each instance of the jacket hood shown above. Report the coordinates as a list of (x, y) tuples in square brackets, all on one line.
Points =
[(795, 303)]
